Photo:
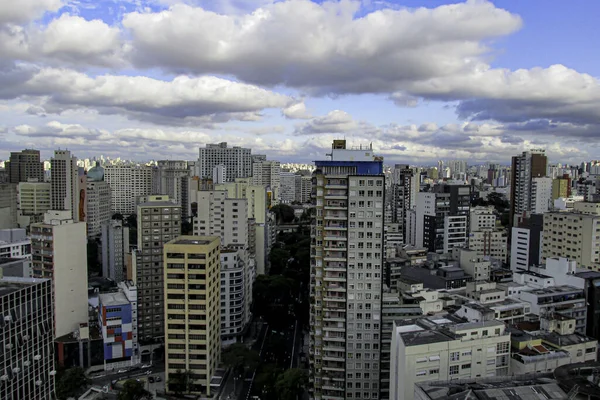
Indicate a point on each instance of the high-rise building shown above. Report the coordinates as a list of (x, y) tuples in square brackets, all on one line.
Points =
[(25, 165), (238, 161), (221, 216), (561, 187), (526, 242), (159, 221), (59, 252), (8, 206), (127, 184), (192, 287), (33, 200), (438, 349), (98, 201), (484, 238), (219, 174), (236, 294), (171, 179), (525, 167), (305, 189), (404, 190), (115, 247), (541, 195), (346, 274), (64, 183), (574, 235), (267, 174), (287, 189), (27, 350), (442, 218)]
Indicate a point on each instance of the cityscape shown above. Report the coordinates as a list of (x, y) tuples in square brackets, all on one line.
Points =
[(299, 200)]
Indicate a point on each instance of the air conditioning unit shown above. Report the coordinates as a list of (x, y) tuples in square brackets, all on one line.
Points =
[(27, 363), (17, 369), (7, 318), (39, 383), (52, 373), (4, 378), (37, 357), (9, 346)]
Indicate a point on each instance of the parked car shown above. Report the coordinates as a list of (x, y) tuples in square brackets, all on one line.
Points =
[(146, 366), (158, 379), (122, 371), (151, 379)]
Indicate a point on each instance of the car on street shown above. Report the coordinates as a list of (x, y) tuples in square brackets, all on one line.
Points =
[(158, 379), (146, 366), (122, 371), (151, 379), (148, 372)]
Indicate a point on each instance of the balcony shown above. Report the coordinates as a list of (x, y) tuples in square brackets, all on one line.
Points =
[(335, 227)]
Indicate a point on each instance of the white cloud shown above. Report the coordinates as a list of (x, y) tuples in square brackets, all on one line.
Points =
[(296, 111), (23, 11), (336, 121)]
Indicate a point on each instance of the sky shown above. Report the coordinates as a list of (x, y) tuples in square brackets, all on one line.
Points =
[(422, 80)]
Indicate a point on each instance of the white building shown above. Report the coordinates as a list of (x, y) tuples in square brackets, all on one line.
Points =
[(171, 179), (236, 294), (541, 195), (483, 218), (64, 182), (287, 191), (98, 207), (115, 247), (490, 242), (474, 264), (238, 161), (267, 174), (221, 216), (437, 349), (219, 174), (127, 183), (59, 252), (346, 274)]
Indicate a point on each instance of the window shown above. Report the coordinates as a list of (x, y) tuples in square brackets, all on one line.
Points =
[(465, 366), (454, 370), (434, 371), (454, 356), (421, 372)]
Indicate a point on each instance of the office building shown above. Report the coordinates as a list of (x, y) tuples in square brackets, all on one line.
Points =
[(192, 288), (574, 235), (33, 200), (64, 183), (267, 174), (159, 221), (25, 165), (237, 160), (26, 350), (525, 167), (526, 242), (442, 218), (59, 252), (305, 192), (115, 247), (346, 274), (127, 184), (483, 218), (236, 294), (171, 179), (287, 191), (490, 242), (439, 349), (117, 318), (98, 201), (561, 187), (8, 206), (14, 245)]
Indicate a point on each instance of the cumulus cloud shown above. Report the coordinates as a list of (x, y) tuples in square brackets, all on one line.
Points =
[(180, 101), (322, 48), (23, 11), (57, 129), (336, 121), (296, 111)]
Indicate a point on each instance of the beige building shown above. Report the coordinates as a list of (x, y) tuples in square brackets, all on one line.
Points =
[(221, 216), (8, 206), (98, 207), (574, 235), (266, 173), (32, 202), (438, 349), (159, 221), (59, 252), (64, 183), (192, 288)]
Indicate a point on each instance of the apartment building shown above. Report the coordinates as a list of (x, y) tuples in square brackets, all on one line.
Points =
[(25, 165), (64, 183), (287, 191), (482, 218), (27, 348), (490, 242), (346, 274), (236, 294), (159, 221), (404, 189), (127, 184), (59, 252), (171, 179), (526, 242), (237, 160), (14, 243), (33, 200), (561, 187), (525, 167), (442, 349), (541, 195), (221, 216), (98, 206), (267, 173), (115, 247), (574, 235), (192, 288), (8, 206)]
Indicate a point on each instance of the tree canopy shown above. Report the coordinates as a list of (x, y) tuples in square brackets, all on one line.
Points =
[(240, 358), (284, 213), (134, 390), (290, 385), (181, 382), (71, 383)]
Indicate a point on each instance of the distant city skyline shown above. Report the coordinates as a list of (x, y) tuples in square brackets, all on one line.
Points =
[(420, 79)]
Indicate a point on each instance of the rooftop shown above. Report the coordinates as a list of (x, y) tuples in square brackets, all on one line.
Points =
[(158, 204), (113, 299), (566, 340), (195, 240), (556, 290), (11, 284)]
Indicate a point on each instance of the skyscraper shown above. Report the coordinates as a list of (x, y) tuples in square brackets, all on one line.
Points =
[(98, 201), (192, 287), (159, 221), (171, 179), (525, 167), (127, 184), (238, 161), (64, 183), (115, 246), (266, 173), (25, 165), (346, 274)]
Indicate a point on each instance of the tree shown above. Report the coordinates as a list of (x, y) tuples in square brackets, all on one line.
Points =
[(71, 383), (240, 358), (283, 213), (278, 258), (186, 228), (181, 382), (134, 390), (273, 299), (118, 216), (265, 382), (290, 385)]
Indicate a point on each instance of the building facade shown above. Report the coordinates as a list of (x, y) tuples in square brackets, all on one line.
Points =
[(238, 161), (115, 318), (64, 183), (236, 294), (171, 179), (25, 165), (115, 247), (525, 167), (8, 206), (346, 274), (34, 199), (267, 174), (59, 252), (127, 184), (192, 288), (27, 349), (98, 207), (159, 221)]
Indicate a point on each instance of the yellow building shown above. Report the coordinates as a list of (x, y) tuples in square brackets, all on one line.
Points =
[(560, 188), (192, 287)]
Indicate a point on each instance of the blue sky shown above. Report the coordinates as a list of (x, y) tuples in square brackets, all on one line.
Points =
[(157, 79)]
